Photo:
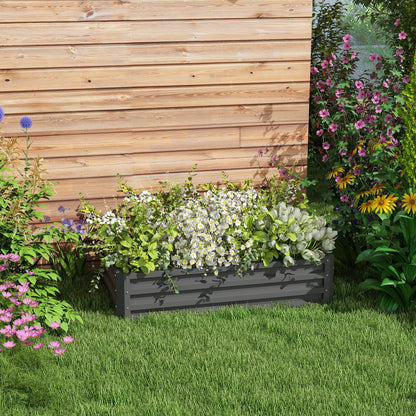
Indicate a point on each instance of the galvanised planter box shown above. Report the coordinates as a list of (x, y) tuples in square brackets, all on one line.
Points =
[(135, 293)]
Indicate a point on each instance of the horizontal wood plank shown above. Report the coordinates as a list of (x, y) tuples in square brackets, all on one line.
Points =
[(70, 145), (106, 188), (142, 98), (73, 10), (274, 135), (84, 33), (152, 76), (193, 117), (143, 163), (151, 54)]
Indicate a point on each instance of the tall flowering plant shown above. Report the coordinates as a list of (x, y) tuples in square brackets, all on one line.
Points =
[(360, 131)]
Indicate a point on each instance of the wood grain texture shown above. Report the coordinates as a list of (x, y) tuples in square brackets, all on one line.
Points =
[(148, 88), (106, 188), (104, 10), (173, 162), (15, 80), (124, 32), (193, 117), (151, 54), (142, 98)]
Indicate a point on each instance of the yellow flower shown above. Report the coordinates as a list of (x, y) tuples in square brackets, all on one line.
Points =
[(384, 204), (362, 194), (346, 180), (376, 189), (367, 206), (358, 147), (409, 202), (335, 172)]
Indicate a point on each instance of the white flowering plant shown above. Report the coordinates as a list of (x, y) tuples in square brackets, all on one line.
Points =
[(205, 228)]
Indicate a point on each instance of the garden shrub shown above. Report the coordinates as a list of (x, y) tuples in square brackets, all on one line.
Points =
[(22, 187), (407, 154)]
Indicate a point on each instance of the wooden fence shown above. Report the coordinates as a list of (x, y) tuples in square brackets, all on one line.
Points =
[(148, 88)]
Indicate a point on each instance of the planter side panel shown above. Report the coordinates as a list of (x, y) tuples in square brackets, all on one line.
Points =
[(297, 285)]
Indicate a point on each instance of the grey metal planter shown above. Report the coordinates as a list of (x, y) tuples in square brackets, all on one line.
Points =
[(135, 293)]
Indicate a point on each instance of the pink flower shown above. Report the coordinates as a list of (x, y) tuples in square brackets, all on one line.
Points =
[(323, 113), (329, 82), (30, 273), (378, 109), (399, 52), (54, 325), (359, 124), (362, 152), (54, 344), (354, 54), (9, 345), (67, 340), (324, 64), (347, 38), (344, 198), (344, 60), (375, 99), (406, 79), (402, 35), (320, 132), (342, 152), (338, 92), (324, 158), (314, 70), (260, 152), (333, 127), (359, 85), (396, 23), (59, 351), (372, 57), (38, 346), (326, 146), (346, 46)]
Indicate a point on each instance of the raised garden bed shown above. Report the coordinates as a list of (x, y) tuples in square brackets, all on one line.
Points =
[(135, 293)]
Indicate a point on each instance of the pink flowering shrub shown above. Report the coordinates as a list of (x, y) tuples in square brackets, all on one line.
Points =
[(359, 130), (19, 323)]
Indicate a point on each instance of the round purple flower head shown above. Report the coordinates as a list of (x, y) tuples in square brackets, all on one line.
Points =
[(1, 114), (26, 122)]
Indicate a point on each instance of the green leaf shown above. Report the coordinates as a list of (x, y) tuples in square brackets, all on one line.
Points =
[(260, 236), (291, 236)]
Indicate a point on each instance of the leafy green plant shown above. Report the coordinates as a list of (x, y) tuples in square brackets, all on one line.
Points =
[(408, 114), (392, 258), (22, 187)]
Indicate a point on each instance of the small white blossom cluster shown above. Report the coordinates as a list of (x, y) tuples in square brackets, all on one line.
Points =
[(115, 225), (144, 197), (208, 227)]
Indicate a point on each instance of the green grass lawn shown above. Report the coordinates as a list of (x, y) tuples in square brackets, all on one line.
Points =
[(345, 358)]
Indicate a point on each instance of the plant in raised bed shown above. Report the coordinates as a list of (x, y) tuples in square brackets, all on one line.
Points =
[(204, 231)]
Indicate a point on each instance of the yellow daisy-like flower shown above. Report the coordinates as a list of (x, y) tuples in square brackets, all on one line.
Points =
[(377, 188), (335, 172), (358, 147), (409, 202), (384, 204), (366, 206), (346, 180), (362, 194)]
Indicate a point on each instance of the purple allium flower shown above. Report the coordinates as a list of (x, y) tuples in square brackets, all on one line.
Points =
[(402, 35), (1, 114), (26, 122)]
